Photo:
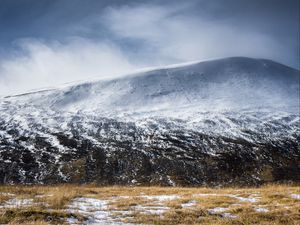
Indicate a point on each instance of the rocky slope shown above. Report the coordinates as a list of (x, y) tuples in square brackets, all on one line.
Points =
[(227, 121)]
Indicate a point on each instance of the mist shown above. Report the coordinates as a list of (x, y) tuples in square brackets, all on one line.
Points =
[(46, 65), (120, 39)]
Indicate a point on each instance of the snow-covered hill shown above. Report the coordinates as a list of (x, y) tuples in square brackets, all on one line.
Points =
[(221, 84), (229, 120)]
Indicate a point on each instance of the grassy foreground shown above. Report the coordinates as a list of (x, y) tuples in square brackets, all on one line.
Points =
[(271, 204)]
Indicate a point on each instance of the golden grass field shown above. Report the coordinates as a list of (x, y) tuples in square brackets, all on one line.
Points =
[(88, 204)]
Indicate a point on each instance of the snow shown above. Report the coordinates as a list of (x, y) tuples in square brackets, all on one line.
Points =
[(171, 182), (88, 204), (243, 199), (44, 196), (72, 220), (189, 204), (215, 98), (98, 211), (229, 215), (295, 196), (161, 198), (252, 198), (6, 194), (155, 210), (168, 91), (17, 202), (261, 210), (222, 211), (217, 210), (205, 195), (95, 210)]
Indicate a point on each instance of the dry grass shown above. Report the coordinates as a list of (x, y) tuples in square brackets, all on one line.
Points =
[(29, 223), (34, 215), (50, 202)]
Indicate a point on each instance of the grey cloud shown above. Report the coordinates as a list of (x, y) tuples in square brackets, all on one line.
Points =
[(51, 42), (176, 36)]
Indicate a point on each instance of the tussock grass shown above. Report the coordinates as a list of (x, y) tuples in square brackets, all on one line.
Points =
[(29, 223), (128, 203), (32, 215), (51, 202)]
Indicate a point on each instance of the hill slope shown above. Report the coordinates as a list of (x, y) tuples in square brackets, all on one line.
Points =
[(232, 120)]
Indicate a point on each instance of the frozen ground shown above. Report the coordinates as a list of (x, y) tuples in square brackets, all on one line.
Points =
[(17, 202), (96, 211), (107, 210)]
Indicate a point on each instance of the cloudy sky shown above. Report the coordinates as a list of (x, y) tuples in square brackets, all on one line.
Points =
[(49, 42)]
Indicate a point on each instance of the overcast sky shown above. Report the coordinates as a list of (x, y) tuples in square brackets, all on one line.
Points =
[(49, 42)]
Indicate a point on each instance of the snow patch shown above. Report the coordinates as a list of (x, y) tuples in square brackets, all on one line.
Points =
[(161, 198), (252, 198), (189, 204), (6, 194), (205, 195), (155, 210), (16, 203), (244, 199), (229, 215), (217, 210), (223, 212), (261, 210), (295, 196), (95, 210)]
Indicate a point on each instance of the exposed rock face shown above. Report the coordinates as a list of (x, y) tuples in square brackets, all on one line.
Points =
[(171, 127)]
